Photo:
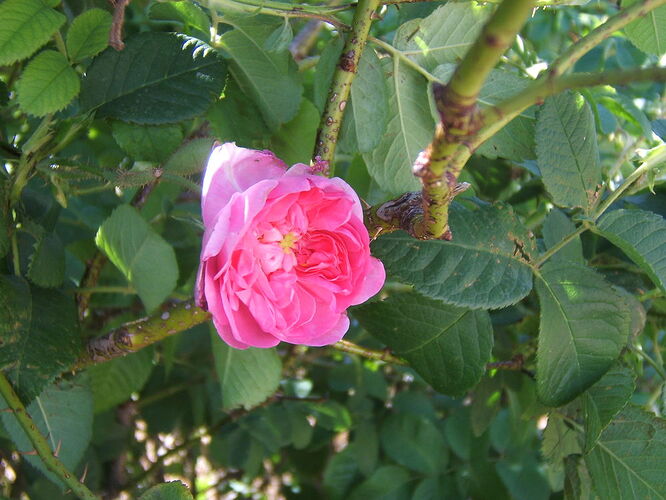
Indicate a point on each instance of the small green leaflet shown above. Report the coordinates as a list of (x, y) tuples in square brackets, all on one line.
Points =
[(191, 158), (559, 440), (484, 266), (388, 482), (46, 266), (448, 346), (188, 13), (26, 26), (629, 459), (48, 84), (648, 32), (247, 376), (567, 152), (147, 142), (173, 490), (89, 34), (584, 325), (181, 79), (340, 472), (556, 226), (294, 141), (145, 259), (642, 236)]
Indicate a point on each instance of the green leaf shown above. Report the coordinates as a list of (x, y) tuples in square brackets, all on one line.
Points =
[(237, 119), (584, 325), (515, 141), (39, 333), (630, 458), (642, 236), (604, 400), (281, 37), (414, 442), (567, 152), (47, 263), (89, 34), (247, 377), (648, 32), (444, 36), (448, 346), (408, 130), (145, 259), (483, 266), (389, 482), (366, 113), (47, 84), (188, 13), (270, 79), (113, 382), (182, 78), (147, 142), (26, 26), (556, 226), (340, 473), (191, 158), (173, 490), (294, 141), (559, 440), (63, 414)]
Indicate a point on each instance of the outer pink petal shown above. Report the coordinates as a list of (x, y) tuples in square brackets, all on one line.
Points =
[(372, 282), (333, 335), (230, 170)]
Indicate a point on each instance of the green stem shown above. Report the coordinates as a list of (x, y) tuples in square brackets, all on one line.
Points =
[(561, 244), (439, 166), (652, 294), (16, 260), (657, 367), (345, 71), (351, 348), (656, 158), (279, 9), (498, 116), (42, 447), (60, 43), (599, 34), (134, 336)]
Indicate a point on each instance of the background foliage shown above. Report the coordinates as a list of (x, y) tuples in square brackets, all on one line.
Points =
[(522, 359)]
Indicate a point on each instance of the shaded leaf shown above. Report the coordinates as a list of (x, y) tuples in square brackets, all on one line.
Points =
[(47, 263), (26, 26), (47, 84), (247, 377), (145, 259), (180, 81), (648, 32), (642, 236), (567, 152), (389, 482), (408, 130), (483, 266), (340, 473), (63, 414), (113, 382), (414, 442), (630, 457), (294, 141), (271, 78), (147, 142), (323, 76), (173, 490), (89, 34), (604, 400), (584, 325), (366, 113), (556, 226), (187, 13), (448, 346), (559, 440), (191, 158)]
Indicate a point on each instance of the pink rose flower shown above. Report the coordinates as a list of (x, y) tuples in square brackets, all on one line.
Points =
[(284, 253)]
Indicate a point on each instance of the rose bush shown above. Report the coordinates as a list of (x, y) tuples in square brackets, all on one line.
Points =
[(284, 252)]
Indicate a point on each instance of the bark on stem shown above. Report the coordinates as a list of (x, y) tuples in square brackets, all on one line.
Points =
[(338, 94), (459, 123)]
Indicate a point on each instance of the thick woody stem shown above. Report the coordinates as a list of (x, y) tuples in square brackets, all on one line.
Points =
[(459, 121), (134, 336), (338, 94), (40, 443)]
